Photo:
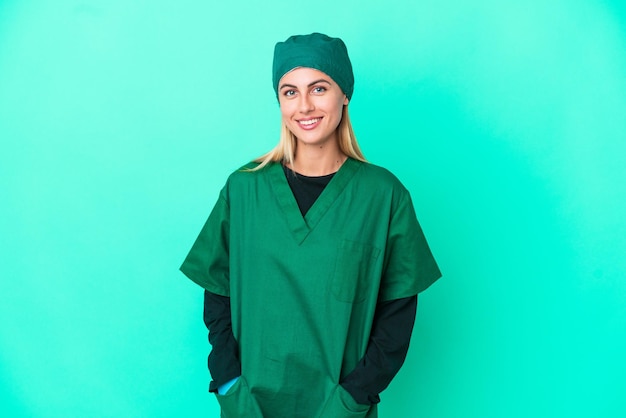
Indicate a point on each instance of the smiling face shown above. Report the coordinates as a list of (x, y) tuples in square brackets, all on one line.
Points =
[(311, 104)]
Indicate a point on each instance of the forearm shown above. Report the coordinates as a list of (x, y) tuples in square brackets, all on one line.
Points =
[(386, 351), (223, 361)]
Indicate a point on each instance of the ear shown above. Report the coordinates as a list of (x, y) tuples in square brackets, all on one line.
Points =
[(345, 100)]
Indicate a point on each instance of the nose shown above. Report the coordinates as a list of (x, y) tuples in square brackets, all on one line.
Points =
[(306, 104)]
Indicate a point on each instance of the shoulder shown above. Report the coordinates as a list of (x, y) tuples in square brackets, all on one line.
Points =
[(377, 181), (376, 175), (247, 175)]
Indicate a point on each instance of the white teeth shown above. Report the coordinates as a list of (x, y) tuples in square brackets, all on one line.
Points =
[(309, 122)]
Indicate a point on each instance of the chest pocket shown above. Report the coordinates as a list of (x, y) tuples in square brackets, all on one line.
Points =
[(352, 278)]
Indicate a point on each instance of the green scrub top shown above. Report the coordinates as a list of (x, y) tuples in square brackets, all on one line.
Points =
[(304, 290)]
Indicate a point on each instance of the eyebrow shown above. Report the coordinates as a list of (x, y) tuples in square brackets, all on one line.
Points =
[(321, 80)]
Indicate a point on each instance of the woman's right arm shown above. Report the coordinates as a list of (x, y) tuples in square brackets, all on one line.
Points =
[(224, 363)]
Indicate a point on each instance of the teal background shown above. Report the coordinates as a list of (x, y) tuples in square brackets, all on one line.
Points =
[(120, 120)]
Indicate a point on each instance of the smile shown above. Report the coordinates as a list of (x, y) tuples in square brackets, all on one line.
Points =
[(309, 122)]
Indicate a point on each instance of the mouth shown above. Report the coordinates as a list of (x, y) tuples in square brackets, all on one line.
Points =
[(309, 123)]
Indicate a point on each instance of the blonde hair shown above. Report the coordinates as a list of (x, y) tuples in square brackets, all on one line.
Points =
[(285, 150)]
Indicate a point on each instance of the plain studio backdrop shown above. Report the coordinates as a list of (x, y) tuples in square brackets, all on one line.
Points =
[(120, 121)]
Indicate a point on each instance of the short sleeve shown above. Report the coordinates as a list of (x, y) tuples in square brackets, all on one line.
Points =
[(409, 266), (207, 263)]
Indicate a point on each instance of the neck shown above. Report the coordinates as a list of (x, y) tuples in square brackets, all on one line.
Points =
[(317, 161)]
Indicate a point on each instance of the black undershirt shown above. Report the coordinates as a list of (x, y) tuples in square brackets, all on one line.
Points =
[(306, 189), (389, 338)]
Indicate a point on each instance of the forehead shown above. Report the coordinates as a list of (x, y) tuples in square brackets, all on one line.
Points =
[(304, 76)]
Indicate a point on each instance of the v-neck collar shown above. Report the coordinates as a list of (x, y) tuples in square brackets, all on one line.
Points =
[(301, 226)]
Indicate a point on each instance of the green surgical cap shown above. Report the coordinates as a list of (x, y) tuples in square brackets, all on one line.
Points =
[(317, 51)]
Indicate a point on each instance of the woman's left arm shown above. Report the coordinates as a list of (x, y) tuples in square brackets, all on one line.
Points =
[(386, 351)]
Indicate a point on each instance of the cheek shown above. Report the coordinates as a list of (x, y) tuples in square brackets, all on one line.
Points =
[(286, 110), (338, 110), (286, 119)]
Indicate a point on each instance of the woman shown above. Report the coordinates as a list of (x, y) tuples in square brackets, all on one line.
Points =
[(311, 259)]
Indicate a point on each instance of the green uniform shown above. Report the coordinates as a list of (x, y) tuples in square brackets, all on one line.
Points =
[(304, 290)]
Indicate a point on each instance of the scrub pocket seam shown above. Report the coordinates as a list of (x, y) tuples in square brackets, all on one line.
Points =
[(352, 274)]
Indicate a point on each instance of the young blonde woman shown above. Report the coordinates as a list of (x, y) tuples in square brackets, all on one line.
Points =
[(311, 259)]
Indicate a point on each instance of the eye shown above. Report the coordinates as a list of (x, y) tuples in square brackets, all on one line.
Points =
[(319, 89), (289, 93)]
